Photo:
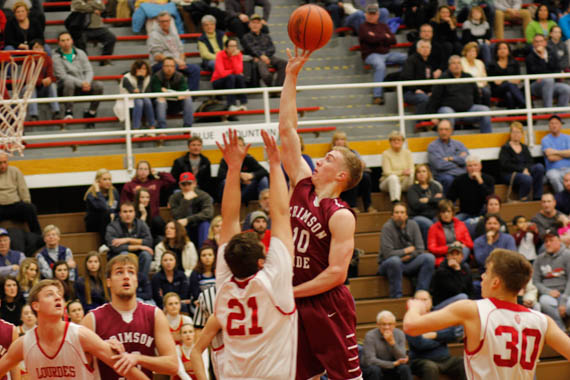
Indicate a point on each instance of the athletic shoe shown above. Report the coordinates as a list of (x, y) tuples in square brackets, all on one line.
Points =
[(234, 108), (68, 115)]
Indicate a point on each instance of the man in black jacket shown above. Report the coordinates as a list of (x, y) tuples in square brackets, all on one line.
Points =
[(253, 176), (196, 163), (452, 281), (437, 57), (459, 97), (542, 60), (418, 67)]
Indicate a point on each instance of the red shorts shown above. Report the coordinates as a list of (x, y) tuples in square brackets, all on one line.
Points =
[(327, 336)]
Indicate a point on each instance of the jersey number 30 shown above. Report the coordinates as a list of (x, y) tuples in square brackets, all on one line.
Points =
[(239, 318), (513, 347)]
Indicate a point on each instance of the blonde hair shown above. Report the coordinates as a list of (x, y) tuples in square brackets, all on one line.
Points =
[(33, 297), (396, 134), (338, 136), (49, 228), (20, 4), (21, 277), (353, 165), (468, 46), (91, 190), (169, 295), (516, 125), (217, 219)]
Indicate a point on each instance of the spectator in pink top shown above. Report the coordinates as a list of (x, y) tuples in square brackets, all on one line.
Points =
[(149, 179), (228, 74)]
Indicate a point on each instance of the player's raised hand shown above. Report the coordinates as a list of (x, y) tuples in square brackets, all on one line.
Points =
[(296, 62), (271, 148), (233, 150)]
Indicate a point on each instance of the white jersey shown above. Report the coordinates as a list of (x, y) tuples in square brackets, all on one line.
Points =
[(259, 318), (511, 340), (69, 362)]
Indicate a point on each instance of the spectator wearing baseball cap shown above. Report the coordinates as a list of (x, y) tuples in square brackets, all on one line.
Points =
[(259, 226), (9, 259), (452, 280), (193, 208), (550, 276)]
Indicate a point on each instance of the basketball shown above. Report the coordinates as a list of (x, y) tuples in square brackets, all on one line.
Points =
[(310, 27)]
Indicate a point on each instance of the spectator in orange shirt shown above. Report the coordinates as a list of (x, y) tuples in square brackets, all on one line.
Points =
[(228, 74)]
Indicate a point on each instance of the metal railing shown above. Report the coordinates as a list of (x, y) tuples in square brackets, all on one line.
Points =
[(401, 117)]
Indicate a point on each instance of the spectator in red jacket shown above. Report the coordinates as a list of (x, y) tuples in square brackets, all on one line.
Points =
[(45, 86), (228, 74), (375, 39), (446, 232), (149, 179)]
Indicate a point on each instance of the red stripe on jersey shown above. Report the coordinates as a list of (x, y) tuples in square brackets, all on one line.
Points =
[(243, 283), (508, 305), (284, 312), (60, 345), (218, 348)]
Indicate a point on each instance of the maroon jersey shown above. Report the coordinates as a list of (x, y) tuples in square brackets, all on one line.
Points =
[(6, 331), (311, 235), (136, 336)]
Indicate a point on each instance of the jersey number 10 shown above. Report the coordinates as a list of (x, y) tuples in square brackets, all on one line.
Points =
[(303, 243), (239, 318), (513, 346)]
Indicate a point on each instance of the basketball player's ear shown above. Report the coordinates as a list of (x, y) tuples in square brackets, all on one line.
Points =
[(35, 306), (260, 263), (108, 280), (342, 176)]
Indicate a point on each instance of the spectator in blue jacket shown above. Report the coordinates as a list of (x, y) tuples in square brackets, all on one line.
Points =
[(493, 239), (53, 252), (9, 259), (446, 156), (170, 279), (429, 354)]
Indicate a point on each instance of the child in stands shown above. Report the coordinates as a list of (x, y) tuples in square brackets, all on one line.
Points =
[(61, 272), (53, 252), (75, 311), (29, 321), (526, 237), (175, 319)]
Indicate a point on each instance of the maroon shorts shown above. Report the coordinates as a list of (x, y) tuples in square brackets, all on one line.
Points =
[(327, 336)]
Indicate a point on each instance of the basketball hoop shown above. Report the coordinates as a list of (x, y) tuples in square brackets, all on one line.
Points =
[(19, 72)]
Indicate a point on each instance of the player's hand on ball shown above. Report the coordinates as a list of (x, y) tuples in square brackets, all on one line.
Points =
[(296, 62), (233, 152), (271, 148)]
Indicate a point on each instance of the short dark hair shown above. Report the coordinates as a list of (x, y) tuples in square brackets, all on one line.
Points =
[(127, 204), (511, 267), (555, 117), (195, 138), (489, 216), (396, 204), (137, 65), (230, 39), (242, 253), (516, 219), (62, 33), (37, 41), (168, 59), (496, 49), (444, 205)]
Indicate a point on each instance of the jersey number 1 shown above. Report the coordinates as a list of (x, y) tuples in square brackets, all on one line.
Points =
[(512, 346), (239, 316)]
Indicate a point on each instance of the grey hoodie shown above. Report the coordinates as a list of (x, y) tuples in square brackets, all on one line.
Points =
[(79, 70), (551, 273)]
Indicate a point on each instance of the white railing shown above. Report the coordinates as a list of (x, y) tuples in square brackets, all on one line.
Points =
[(268, 124)]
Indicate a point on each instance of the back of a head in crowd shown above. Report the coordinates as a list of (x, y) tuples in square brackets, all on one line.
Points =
[(123, 260), (243, 253), (512, 268)]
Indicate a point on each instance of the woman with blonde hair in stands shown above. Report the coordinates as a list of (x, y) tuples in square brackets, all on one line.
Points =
[(91, 289), (214, 233), (102, 203), (364, 187), (397, 168), (28, 276), (517, 166), (176, 240), (476, 68)]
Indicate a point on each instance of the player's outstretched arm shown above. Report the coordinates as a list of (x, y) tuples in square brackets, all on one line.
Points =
[(278, 195), (295, 166), (342, 225), (416, 322), (557, 339), (231, 199), (13, 357), (93, 344), (208, 333)]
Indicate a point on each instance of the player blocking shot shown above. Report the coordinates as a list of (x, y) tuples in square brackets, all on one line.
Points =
[(139, 331), (56, 349), (323, 237), (254, 305), (503, 340)]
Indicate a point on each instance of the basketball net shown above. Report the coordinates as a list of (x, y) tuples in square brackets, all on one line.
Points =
[(19, 71)]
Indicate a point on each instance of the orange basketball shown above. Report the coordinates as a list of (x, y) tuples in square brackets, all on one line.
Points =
[(310, 27)]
